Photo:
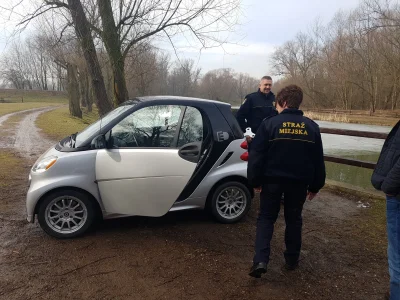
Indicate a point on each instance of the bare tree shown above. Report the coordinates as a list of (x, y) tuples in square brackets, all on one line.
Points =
[(245, 84), (183, 80), (144, 73), (123, 24), (353, 63), (83, 32), (222, 85), (126, 23)]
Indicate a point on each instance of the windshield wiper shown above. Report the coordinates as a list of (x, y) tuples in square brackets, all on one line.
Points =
[(73, 140)]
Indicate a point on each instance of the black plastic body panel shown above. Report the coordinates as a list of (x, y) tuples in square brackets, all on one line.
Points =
[(232, 121)]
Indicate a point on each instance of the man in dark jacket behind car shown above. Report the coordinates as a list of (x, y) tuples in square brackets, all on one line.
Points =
[(386, 178), (286, 157), (257, 106)]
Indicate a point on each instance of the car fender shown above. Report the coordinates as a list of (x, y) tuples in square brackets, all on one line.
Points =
[(66, 172)]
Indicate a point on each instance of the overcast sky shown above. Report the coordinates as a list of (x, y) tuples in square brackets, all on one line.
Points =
[(267, 24)]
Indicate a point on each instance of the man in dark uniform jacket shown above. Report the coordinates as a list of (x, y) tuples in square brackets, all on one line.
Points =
[(257, 106), (386, 178), (286, 157)]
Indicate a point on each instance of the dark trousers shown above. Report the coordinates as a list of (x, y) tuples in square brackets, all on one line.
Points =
[(270, 203)]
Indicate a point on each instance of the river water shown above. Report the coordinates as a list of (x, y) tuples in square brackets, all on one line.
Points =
[(351, 147)]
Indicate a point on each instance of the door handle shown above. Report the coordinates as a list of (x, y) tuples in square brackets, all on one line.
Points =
[(190, 152)]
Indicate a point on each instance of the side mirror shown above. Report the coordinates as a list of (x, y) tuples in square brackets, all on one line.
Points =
[(99, 142)]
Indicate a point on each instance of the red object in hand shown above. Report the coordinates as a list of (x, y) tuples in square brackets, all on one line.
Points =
[(244, 145), (245, 156)]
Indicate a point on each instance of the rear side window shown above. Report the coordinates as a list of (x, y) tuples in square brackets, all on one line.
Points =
[(192, 129), (230, 117)]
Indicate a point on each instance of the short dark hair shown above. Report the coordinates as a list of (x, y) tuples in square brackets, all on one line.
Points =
[(292, 95), (266, 77)]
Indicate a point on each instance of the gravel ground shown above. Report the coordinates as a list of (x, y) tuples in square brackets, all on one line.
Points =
[(183, 254)]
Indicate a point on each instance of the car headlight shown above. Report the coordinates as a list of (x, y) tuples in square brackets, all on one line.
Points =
[(44, 164)]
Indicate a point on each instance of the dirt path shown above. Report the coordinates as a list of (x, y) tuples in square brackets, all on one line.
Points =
[(25, 137), (186, 255), (7, 116), (28, 141)]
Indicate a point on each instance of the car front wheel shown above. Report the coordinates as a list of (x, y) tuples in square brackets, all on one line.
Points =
[(66, 214), (230, 202)]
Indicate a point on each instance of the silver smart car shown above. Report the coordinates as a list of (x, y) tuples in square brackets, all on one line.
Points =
[(147, 157)]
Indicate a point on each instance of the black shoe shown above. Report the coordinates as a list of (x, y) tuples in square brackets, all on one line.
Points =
[(258, 269), (291, 267)]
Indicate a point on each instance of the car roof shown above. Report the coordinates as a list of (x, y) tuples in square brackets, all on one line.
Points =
[(173, 98)]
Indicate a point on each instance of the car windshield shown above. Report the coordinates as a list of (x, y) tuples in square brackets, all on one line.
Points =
[(89, 131)]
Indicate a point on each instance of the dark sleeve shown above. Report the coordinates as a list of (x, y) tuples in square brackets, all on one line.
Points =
[(391, 184), (243, 113), (257, 155), (320, 172)]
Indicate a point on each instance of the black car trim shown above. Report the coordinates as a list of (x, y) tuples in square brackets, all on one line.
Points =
[(216, 149), (232, 121), (133, 178), (142, 148), (179, 126), (60, 148), (227, 157)]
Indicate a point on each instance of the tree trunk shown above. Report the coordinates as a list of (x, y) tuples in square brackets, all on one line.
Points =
[(82, 93), (59, 77), (45, 79), (41, 72), (83, 88), (90, 99), (120, 90), (113, 46), (83, 32), (73, 91), (394, 93)]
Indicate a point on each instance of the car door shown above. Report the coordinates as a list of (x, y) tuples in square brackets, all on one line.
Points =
[(151, 156)]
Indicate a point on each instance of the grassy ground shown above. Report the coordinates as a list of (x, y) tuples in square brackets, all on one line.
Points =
[(327, 117), (375, 224), (6, 108), (356, 119), (10, 165), (58, 123), (374, 120), (373, 228), (23, 96)]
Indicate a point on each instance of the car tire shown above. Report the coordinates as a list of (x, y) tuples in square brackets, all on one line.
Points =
[(72, 207), (228, 190)]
